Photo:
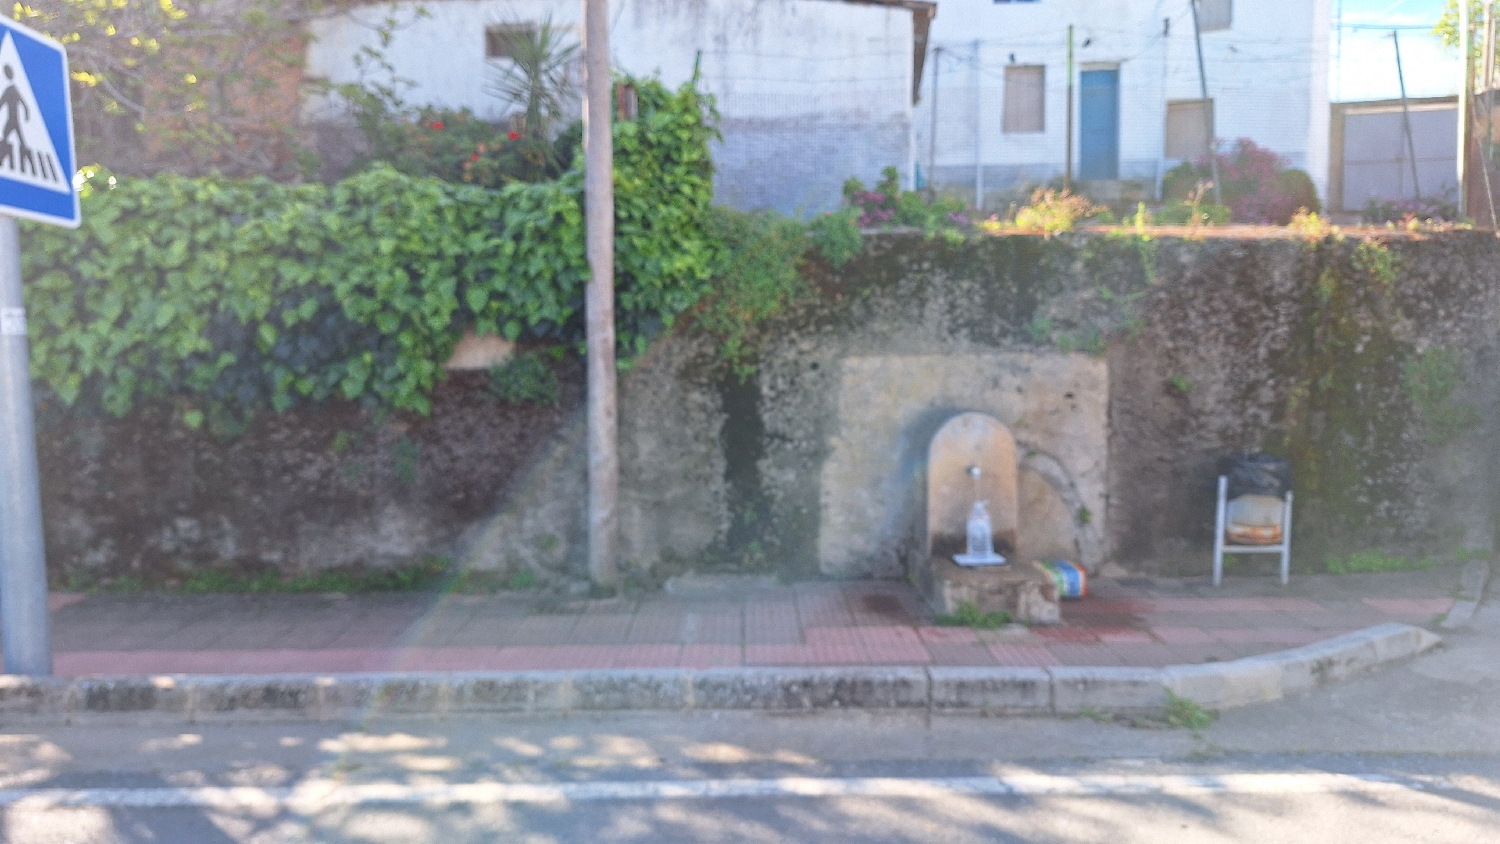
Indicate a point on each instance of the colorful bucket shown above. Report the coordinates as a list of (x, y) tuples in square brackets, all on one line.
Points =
[(1072, 581)]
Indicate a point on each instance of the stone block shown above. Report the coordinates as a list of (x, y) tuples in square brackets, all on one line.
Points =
[(810, 688), (1471, 583), (1106, 689), (20, 695), (474, 351), (505, 692), (1399, 641), (292, 694), (1222, 685), (631, 689), (1026, 591), (130, 694), (1323, 662), (997, 690), (410, 693), (344, 694)]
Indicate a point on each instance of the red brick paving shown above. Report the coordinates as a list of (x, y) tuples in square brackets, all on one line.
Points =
[(1084, 654), (711, 656), (948, 635), (894, 645), (945, 653), (1142, 622), (1182, 635), (1036, 656)]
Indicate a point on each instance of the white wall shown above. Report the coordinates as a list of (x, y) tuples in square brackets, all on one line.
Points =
[(810, 91), (1267, 73)]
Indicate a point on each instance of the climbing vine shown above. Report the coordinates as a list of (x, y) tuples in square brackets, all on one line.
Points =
[(1347, 406), (223, 297)]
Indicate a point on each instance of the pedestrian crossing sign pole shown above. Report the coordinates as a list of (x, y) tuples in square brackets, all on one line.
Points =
[(36, 183)]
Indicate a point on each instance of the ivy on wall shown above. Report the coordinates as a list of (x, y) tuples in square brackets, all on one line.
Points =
[(224, 297)]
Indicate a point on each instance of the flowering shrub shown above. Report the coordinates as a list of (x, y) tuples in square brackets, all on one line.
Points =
[(456, 146), (1254, 182), (1049, 212), (888, 205), (1408, 210)]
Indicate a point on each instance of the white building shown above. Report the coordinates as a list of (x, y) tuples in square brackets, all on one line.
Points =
[(997, 74), (810, 92)]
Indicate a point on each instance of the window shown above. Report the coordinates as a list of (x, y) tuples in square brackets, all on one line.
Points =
[(1214, 14), (499, 40), (1025, 100), (1187, 130)]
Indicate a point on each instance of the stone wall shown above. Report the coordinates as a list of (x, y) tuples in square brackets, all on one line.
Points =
[(329, 486), (1124, 366), (1191, 348)]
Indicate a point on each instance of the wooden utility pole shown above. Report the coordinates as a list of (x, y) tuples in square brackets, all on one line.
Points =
[(1466, 53), (599, 298), (1068, 130), (937, 56), (1208, 107), (1486, 84), (1411, 146), (1487, 48), (978, 131)]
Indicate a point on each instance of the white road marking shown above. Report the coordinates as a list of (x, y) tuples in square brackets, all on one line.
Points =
[(316, 795)]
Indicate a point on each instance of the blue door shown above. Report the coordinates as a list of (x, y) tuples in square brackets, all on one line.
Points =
[(1099, 124)]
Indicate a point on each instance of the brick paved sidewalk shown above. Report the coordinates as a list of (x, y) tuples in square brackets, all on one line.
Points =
[(1124, 622)]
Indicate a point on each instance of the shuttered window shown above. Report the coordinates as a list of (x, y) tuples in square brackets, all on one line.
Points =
[(1214, 14), (1025, 98), (1187, 131), (500, 40)]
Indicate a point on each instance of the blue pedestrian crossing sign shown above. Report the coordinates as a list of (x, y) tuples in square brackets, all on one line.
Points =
[(36, 128)]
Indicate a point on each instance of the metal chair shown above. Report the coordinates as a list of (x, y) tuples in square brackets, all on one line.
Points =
[(1222, 525)]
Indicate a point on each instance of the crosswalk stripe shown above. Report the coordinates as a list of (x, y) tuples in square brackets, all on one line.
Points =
[(316, 794)]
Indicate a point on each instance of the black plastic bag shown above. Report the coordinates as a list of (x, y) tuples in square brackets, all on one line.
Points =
[(1256, 474)]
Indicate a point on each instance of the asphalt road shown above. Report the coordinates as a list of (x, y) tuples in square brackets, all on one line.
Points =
[(1408, 754)]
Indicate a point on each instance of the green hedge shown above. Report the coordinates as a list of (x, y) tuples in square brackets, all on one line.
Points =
[(223, 297)]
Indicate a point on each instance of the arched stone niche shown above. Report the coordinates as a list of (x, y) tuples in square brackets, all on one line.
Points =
[(966, 441), (874, 483)]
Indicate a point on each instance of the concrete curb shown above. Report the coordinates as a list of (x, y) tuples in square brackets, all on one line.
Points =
[(1061, 690), (1470, 592)]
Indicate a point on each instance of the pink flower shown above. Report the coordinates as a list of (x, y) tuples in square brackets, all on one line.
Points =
[(437, 124), (514, 136)]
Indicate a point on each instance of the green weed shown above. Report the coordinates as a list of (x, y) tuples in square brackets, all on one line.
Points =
[(1431, 380), (969, 615), (1187, 713), (408, 456), (1040, 330), (426, 574), (1096, 715), (1375, 561), (525, 378)]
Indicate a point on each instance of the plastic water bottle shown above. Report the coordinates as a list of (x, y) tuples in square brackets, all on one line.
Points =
[(981, 538)]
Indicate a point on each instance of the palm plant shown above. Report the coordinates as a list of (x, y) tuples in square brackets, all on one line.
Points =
[(539, 76)]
